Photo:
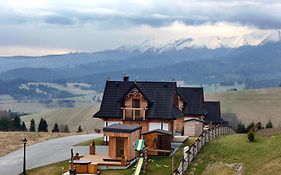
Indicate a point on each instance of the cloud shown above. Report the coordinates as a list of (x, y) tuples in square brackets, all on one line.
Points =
[(91, 25), (157, 13)]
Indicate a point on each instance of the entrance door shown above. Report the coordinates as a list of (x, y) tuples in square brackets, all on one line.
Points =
[(119, 146)]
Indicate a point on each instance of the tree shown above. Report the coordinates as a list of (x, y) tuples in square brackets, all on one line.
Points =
[(259, 125), (79, 129), (250, 126), (269, 124), (23, 127), (45, 126), (251, 135), (32, 126), (241, 128), (66, 129), (56, 128), (40, 126), (17, 123)]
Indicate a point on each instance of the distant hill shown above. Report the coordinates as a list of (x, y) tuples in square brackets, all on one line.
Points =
[(256, 66), (73, 117), (251, 105)]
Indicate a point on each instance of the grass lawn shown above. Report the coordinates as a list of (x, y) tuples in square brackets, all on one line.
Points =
[(259, 158), (157, 165), (98, 141), (52, 169), (160, 165)]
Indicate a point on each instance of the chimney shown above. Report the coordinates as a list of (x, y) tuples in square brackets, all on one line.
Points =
[(125, 78)]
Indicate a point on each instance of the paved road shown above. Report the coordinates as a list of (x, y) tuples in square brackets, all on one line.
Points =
[(43, 153)]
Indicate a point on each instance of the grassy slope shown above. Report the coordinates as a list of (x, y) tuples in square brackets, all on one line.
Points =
[(73, 117), (251, 105), (260, 158), (11, 141)]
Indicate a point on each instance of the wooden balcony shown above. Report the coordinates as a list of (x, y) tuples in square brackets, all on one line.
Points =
[(133, 113)]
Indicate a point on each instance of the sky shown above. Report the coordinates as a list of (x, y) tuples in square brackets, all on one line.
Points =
[(40, 27)]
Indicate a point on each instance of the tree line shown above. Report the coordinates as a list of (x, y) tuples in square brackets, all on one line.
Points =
[(241, 128), (11, 121)]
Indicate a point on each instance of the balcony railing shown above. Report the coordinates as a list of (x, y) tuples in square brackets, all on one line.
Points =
[(133, 113)]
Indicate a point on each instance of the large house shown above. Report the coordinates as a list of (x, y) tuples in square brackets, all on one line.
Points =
[(156, 107), (153, 105)]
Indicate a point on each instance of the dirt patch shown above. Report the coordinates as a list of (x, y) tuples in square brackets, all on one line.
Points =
[(11, 141), (218, 169), (238, 167), (273, 168)]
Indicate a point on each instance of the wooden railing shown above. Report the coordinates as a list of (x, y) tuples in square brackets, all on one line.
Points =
[(193, 149), (133, 113)]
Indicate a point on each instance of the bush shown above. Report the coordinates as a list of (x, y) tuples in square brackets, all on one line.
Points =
[(251, 135), (250, 127), (241, 128), (269, 124), (259, 125)]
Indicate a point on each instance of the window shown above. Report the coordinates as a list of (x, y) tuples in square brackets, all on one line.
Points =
[(136, 103)]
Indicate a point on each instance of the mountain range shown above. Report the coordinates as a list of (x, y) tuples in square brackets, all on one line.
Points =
[(253, 59), (214, 42)]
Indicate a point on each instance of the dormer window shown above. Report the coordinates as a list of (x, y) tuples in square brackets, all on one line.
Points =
[(134, 106)]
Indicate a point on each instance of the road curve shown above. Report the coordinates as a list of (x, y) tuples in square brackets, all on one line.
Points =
[(42, 153)]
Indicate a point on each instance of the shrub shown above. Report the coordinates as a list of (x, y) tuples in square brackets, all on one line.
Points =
[(269, 124), (241, 128), (250, 127), (251, 135), (259, 125)]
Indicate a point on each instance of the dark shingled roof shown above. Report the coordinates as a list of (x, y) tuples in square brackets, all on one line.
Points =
[(194, 99), (214, 113), (158, 130), (122, 128), (160, 96)]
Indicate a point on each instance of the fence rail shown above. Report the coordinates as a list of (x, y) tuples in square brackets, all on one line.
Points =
[(193, 149)]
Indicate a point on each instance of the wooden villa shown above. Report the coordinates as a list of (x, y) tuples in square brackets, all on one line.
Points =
[(154, 111)]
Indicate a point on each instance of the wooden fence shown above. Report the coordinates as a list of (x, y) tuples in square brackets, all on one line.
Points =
[(193, 149)]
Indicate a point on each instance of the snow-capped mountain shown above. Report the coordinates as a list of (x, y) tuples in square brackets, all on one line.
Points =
[(214, 42)]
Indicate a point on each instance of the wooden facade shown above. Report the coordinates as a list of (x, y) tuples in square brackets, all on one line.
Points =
[(121, 143), (158, 142), (193, 127)]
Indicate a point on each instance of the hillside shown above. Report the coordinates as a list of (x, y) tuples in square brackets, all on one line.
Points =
[(73, 117), (226, 153), (251, 105)]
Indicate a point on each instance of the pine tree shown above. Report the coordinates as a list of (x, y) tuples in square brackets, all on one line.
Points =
[(40, 126), (66, 129), (32, 126), (17, 123), (45, 126), (56, 128), (269, 124), (79, 129), (23, 127)]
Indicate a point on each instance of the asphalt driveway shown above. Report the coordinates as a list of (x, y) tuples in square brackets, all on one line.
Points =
[(43, 153)]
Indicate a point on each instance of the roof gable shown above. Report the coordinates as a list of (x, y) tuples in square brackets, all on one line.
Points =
[(160, 95), (213, 112), (193, 98)]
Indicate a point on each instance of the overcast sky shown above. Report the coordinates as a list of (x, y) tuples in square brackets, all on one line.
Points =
[(37, 27)]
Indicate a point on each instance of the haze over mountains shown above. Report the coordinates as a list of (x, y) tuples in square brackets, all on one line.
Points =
[(252, 59)]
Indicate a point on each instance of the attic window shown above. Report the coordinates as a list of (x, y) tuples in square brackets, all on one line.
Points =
[(136, 103)]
